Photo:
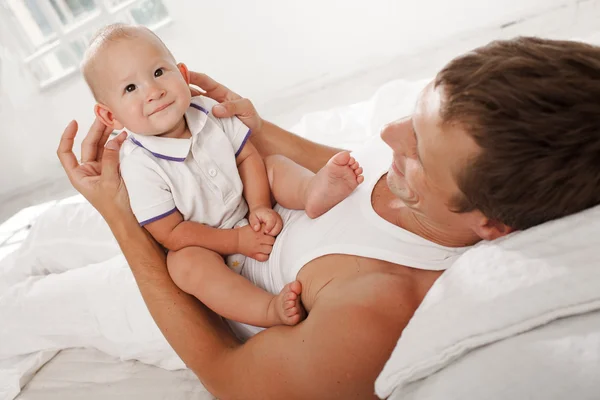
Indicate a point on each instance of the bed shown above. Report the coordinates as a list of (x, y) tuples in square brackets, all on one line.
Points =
[(74, 325)]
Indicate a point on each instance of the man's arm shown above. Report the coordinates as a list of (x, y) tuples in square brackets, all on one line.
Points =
[(336, 353), (174, 233), (267, 137), (272, 139), (194, 332)]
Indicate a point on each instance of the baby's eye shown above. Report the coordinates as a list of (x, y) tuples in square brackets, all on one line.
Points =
[(158, 72), (130, 88)]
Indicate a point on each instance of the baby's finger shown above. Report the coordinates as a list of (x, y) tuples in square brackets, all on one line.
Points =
[(269, 223), (254, 222), (277, 228)]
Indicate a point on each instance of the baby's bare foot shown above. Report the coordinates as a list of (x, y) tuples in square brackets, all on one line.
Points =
[(332, 184), (286, 308)]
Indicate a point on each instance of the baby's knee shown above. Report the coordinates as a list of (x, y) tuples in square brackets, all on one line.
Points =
[(179, 265), (270, 163)]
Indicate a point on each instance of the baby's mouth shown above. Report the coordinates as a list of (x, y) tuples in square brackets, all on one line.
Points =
[(159, 109)]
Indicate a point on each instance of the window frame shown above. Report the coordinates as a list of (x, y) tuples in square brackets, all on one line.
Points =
[(64, 34)]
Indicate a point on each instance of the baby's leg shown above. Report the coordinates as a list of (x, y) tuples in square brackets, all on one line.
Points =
[(295, 187), (203, 274)]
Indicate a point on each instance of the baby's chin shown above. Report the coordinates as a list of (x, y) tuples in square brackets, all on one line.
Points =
[(157, 128)]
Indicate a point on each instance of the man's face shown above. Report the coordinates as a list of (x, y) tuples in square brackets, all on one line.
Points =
[(427, 158), (141, 85)]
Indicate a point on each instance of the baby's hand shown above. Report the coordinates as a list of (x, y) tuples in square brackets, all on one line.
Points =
[(257, 245), (268, 217)]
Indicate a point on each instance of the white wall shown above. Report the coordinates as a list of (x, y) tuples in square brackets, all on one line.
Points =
[(263, 49)]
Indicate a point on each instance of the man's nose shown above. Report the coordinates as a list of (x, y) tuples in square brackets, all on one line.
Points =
[(392, 133), (397, 135)]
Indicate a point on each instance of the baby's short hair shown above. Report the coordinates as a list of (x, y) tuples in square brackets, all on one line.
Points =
[(102, 38)]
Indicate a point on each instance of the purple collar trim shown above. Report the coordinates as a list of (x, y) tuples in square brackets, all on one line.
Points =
[(157, 154), (197, 107)]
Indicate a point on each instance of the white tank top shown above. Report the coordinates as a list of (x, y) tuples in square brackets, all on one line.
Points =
[(352, 227)]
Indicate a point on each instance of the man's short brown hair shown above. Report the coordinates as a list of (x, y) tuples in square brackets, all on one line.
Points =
[(533, 107)]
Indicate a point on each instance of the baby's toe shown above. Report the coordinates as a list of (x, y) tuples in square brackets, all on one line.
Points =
[(289, 304), (342, 158)]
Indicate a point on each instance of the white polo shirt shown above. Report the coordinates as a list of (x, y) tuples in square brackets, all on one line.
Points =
[(197, 177)]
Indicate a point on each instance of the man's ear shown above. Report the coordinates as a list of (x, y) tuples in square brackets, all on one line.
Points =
[(184, 72), (107, 117), (487, 228)]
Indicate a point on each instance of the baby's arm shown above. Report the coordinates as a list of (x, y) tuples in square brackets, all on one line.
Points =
[(174, 233), (256, 190)]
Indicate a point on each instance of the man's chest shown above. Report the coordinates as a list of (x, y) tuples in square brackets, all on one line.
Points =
[(362, 280)]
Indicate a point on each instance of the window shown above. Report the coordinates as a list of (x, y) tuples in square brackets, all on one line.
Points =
[(53, 34)]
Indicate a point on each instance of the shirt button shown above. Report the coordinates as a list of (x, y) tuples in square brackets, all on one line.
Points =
[(212, 172)]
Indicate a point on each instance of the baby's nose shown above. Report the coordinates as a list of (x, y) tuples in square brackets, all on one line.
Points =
[(155, 93)]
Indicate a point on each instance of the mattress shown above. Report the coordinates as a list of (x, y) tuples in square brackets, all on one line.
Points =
[(90, 374)]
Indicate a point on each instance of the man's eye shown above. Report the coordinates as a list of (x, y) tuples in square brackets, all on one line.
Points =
[(130, 88), (158, 72)]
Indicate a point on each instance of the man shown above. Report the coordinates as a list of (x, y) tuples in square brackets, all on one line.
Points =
[(506, 137)]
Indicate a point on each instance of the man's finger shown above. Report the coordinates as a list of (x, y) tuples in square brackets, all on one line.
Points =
[(102, 142), (89, 146), (65, 148), (242, 108), (213, 89), (110, 159), (195, 92)]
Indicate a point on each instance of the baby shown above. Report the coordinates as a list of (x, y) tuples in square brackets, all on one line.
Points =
[(193, 178)]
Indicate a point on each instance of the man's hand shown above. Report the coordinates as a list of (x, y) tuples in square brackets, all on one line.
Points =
[(97, 177), (231, 103), (257, 245), (268, 217)]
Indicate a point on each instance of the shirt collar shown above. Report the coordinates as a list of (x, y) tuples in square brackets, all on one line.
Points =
[(175, 149)]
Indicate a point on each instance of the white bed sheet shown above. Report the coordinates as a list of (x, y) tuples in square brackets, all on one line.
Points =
[(89, 374)]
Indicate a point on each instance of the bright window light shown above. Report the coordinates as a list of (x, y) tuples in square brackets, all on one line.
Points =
[(53, 34)]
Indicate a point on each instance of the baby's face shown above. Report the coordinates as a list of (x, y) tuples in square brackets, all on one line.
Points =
[(140, 84)]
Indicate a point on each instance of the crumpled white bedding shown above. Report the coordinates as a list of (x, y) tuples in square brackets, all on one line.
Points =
[(90, 374), (69, 286)]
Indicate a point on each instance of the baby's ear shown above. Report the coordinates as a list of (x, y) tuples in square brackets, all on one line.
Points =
[(184, 72), (107, 117)]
